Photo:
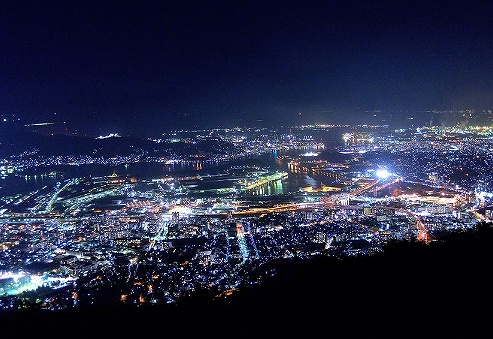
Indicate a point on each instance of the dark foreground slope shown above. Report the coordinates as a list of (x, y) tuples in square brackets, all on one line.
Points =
[(439, 290)]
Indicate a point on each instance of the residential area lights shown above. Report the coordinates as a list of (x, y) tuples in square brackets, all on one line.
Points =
[(91, 230)]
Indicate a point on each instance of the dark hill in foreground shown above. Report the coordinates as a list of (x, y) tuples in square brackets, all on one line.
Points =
[(438, 290)]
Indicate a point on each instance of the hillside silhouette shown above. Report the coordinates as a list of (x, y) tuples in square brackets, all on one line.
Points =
[(16, 139), (441, 289)]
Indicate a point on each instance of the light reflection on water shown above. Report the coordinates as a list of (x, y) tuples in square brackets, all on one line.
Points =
[(35, 178), (273, 188)]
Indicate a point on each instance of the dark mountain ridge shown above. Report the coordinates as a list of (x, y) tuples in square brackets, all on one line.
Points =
[(16, 139)]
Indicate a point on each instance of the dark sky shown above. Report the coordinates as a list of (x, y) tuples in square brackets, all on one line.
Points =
[(145, 67)]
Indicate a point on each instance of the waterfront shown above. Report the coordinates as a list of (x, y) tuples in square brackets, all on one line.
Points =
[(25, 180), (138, 232)]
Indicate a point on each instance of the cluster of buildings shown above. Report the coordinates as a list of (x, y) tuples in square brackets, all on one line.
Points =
[(124, 239)]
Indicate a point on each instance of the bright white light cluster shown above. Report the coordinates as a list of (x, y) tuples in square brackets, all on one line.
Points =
[(111, 135), (382, 173)]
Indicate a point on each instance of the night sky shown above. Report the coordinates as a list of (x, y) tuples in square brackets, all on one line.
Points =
[(145, 67)]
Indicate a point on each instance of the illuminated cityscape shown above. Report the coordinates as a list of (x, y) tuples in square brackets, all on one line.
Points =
[(212, 221), (246, 169)]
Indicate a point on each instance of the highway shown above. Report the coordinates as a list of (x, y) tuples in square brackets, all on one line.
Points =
[(423, 234)]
